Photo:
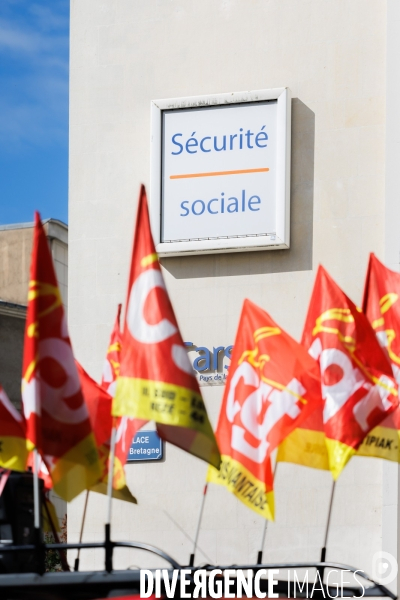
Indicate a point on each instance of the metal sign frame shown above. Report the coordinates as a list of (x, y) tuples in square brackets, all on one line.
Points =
[(281, 240)]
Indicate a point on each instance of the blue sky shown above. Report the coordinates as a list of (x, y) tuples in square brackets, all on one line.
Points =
[(34, 49)]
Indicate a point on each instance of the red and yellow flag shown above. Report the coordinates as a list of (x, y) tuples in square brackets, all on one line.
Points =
[(306, 445), (273, 385), (99, 402), (156, 379), (43, 471), (381, 304), (13, 450), (113, 358), (358, 387), (126, 427), (58, 423)]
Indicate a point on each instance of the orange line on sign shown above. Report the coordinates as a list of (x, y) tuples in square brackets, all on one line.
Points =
[(216, 173)]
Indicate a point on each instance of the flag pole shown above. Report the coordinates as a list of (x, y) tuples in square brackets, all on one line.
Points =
[(36, 515), (260, 552), (108, 544), (191, 559), (61, 553), (76, 564), (323, 549), (36, 503), (264, 533)]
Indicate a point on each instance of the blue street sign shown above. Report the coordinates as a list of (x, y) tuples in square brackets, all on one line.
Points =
[(146, 445)]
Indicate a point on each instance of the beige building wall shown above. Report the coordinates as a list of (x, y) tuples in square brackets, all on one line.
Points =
[(15, 258), (332, 55), (57, 234)]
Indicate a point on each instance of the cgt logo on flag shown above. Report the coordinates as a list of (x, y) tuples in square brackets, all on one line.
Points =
[(267, 403), (273, 384), (342, 378), (357, 383), (156, 380), (381, 304), (57, 419), (382, 307)]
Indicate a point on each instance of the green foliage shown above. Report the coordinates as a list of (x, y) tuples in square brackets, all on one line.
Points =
[(52, 559)]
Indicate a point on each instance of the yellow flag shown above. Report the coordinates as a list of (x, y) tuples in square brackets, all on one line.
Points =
[(13, 451)]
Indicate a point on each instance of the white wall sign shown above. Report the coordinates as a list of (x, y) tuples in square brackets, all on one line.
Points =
[(220, 172)]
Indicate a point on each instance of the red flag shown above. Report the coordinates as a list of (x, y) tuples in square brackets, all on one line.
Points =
[(126, 427), (358, 387), (381, 304), (58, 424), (156, 379), (273, 384), (113, 358), (43, 471), (99, 402), (13, 451)]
